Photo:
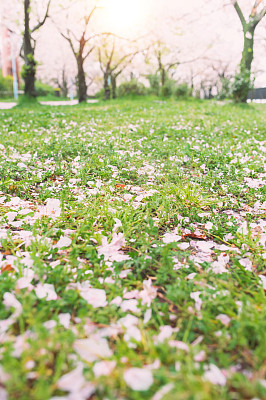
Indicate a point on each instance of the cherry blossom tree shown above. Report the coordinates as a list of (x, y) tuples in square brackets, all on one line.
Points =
[(249, 25), (162, 52), (114, 55), (82, 45), (28, 48)]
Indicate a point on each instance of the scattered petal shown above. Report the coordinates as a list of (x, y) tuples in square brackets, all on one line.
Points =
[(214, 375), (92, 349), (139, 379)]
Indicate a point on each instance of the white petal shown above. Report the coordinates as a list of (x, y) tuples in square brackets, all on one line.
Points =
[(64, 241), (95, 297), (215, 375), (224, 319), (103, 368), (138, 379), (92, 349), (72, 381), (130, 305), (163, 391), (170, 238)]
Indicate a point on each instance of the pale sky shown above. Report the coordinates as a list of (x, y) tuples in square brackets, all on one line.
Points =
[(191, 28)]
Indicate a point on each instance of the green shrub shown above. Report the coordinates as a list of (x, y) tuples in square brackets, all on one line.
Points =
[(226, 89), (132, 87), (6, 86), (168, 89), (182, 90), (241, 86), (154, 81), (43, 89), (99, 94)]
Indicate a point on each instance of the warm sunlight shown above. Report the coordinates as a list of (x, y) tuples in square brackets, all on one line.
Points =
[(125, 16)]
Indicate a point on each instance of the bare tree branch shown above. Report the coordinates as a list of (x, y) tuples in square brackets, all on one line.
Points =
[(100, 59), (70, 42), (254, 8), (260, 15), (41, 23), (88, 53), (87, 19), (99, 34), (112, 54), (239, 13)]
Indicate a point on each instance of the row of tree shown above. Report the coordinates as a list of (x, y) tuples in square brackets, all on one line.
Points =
[(116, 53)]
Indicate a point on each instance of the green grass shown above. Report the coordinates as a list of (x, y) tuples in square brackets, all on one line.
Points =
[(150, 171), (51, 97)]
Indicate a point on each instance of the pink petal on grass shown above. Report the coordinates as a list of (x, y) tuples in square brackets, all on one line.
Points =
[(75, 383), (64, 319), (208, 225), (246, 263), (92, 349), (103, 368), (64, 241), (224, 319), (183, 246), (139, 379), (178, 345), (52, 208), (201, 356), (170, 238), (147, 316), (95, 297), (166, 332), (46, 291), (148, 293), (3, 394), (243, 229), (263, 281), (72, 381), (163, 391), (130, 305), (214, 375), (111, 251), (10, 301), (196, 297)]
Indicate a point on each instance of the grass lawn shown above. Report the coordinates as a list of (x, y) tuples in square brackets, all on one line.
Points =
[(133, 252)]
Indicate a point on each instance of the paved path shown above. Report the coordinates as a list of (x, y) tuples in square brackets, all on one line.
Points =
[(5, 105), (260, 101)]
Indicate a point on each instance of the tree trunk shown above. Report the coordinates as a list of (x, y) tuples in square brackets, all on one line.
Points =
[(113, 84), (241, 94), (210, 93), (106, 86), (82, 86), (242, 81), (29, 71), (64, 84), (247, 54), (163, 75)]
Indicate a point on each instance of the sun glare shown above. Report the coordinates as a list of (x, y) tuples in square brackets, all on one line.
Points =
[(125, 15)]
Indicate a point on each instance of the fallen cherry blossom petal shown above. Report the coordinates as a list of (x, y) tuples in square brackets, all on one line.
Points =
[(103, 368), (214, 375), (224, 319), (163, 391), (139, 379), (92, 349), (95, 297), (64, 241)]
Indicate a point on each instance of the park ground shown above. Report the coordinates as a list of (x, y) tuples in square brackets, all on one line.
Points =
[(133, 251)]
